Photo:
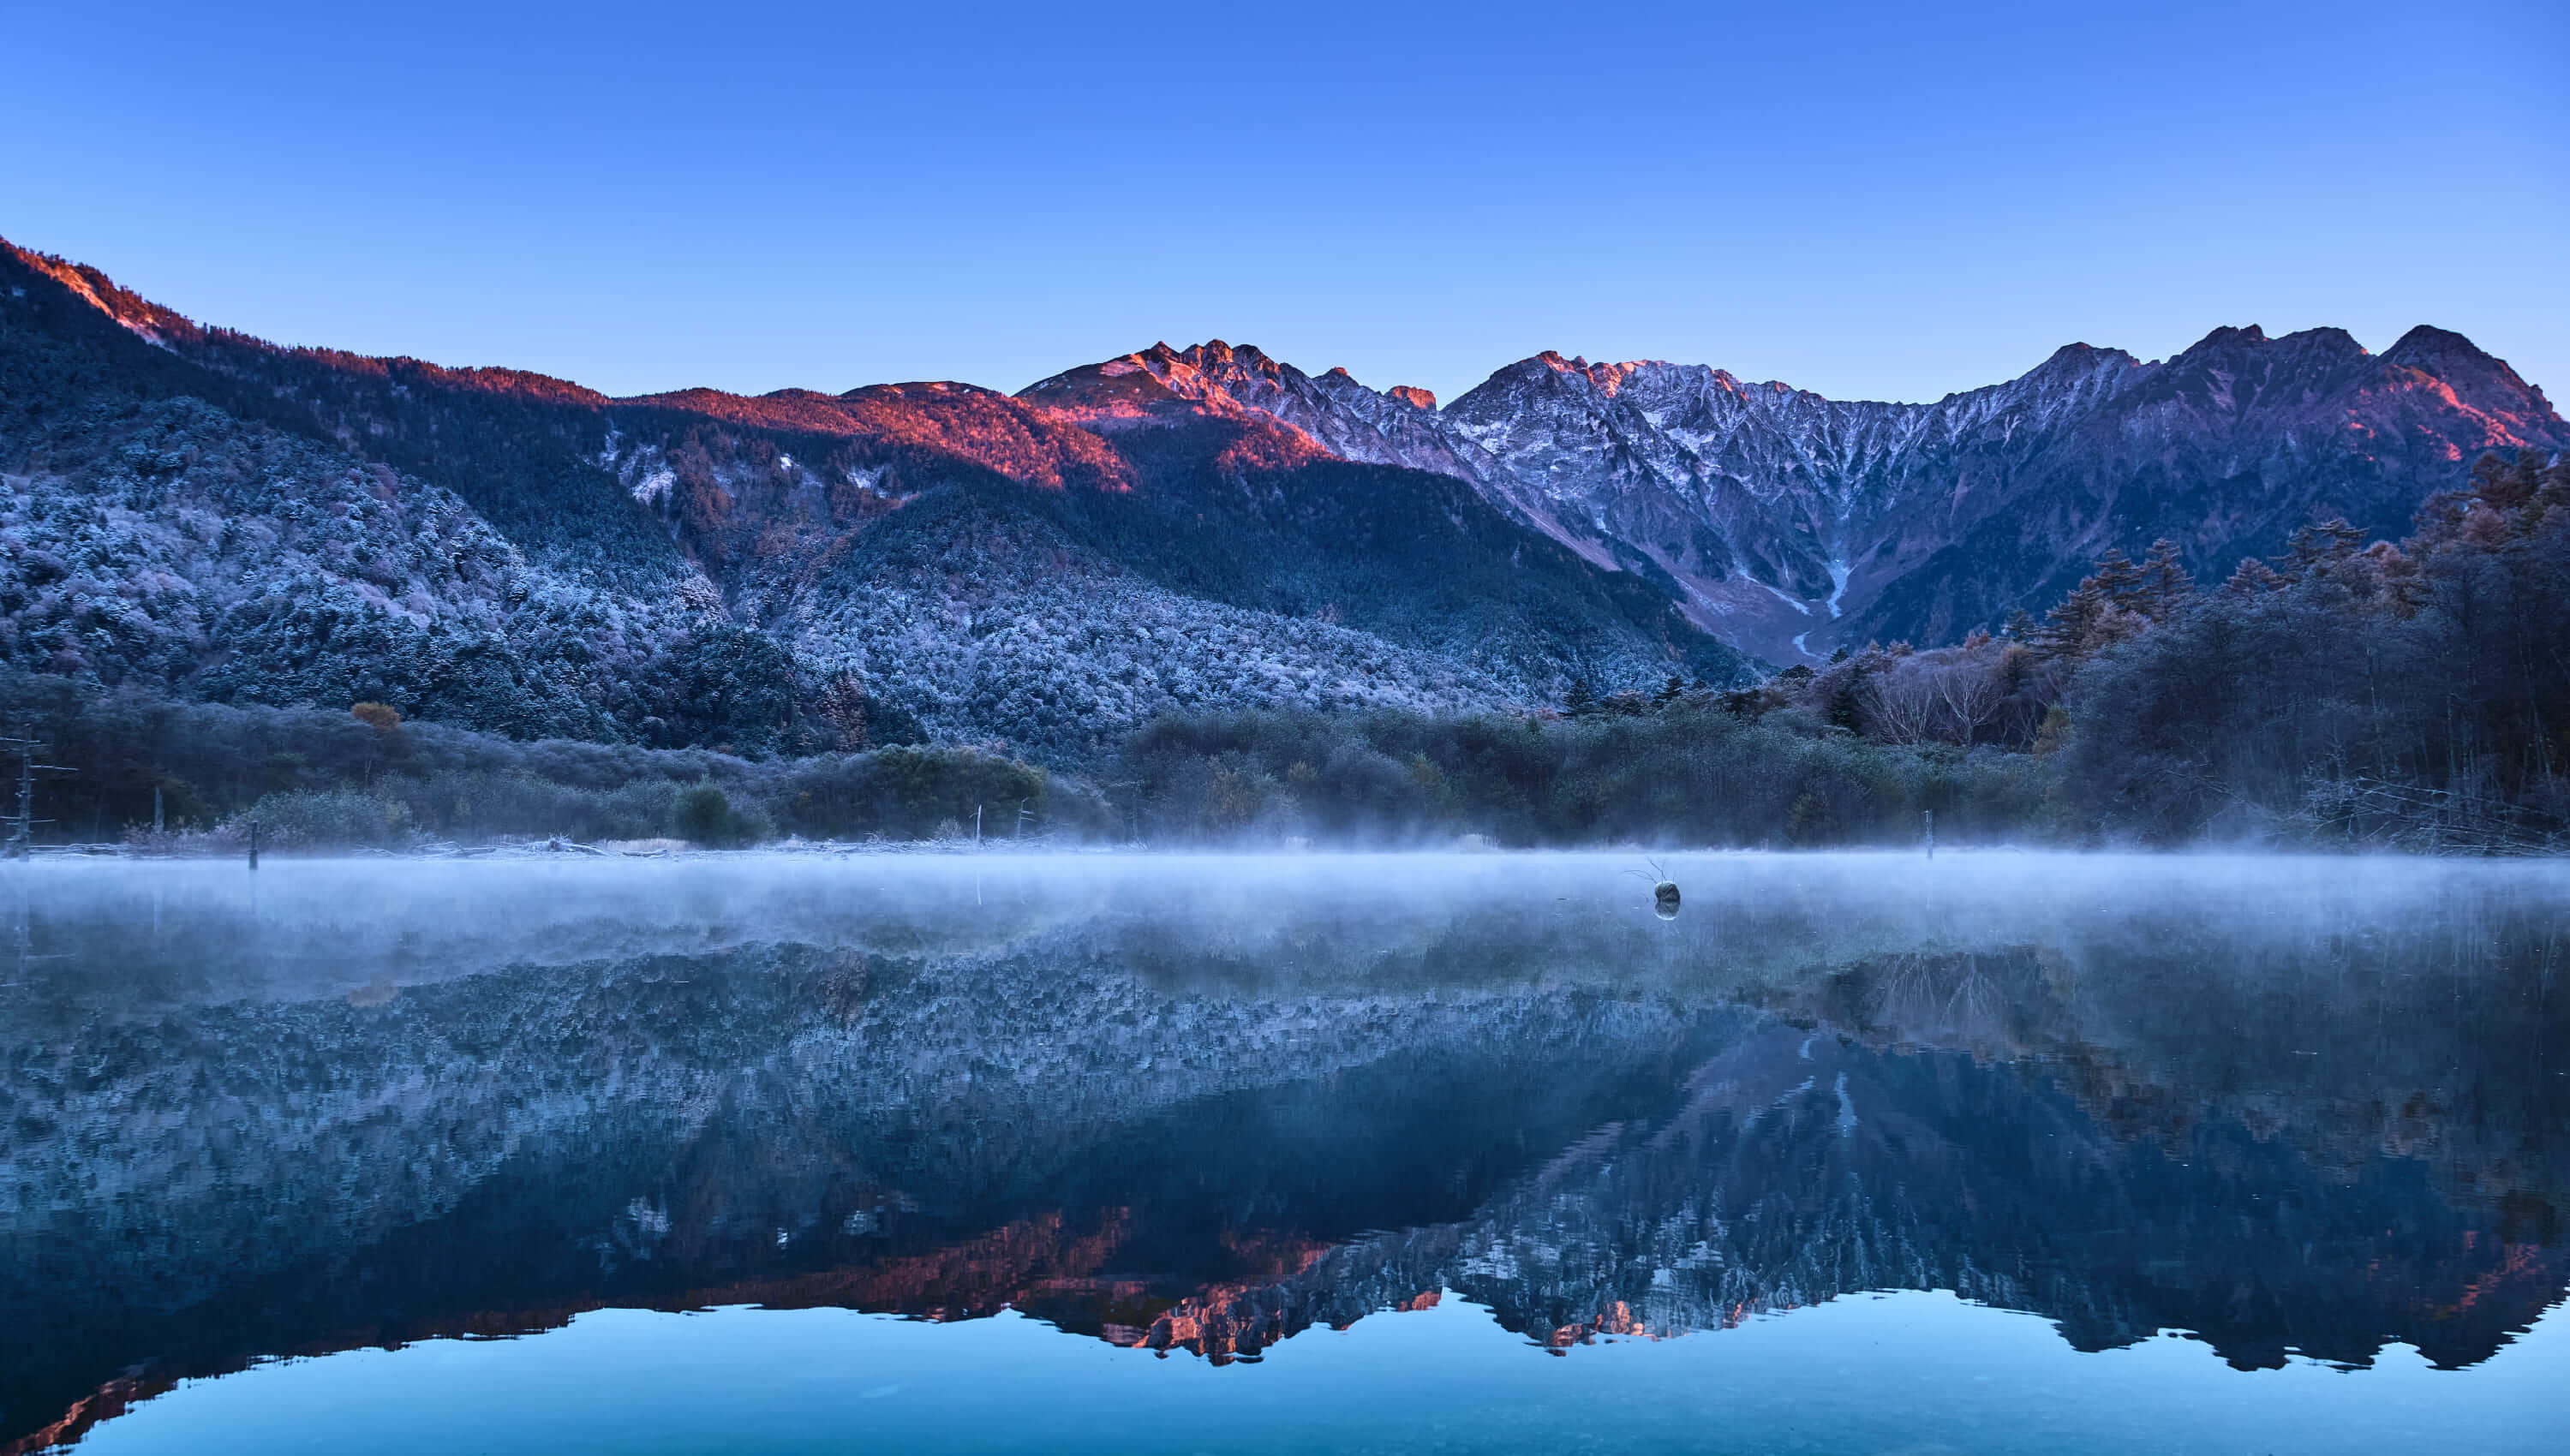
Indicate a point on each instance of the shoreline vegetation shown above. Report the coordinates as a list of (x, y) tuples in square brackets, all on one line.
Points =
[(2363, 696)]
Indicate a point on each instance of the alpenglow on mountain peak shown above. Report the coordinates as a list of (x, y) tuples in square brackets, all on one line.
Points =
[(1171, 528), (194, 512), (1790, 524)]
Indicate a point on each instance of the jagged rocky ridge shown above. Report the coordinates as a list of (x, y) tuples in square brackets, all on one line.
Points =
[(1791, 524), (185, 508)]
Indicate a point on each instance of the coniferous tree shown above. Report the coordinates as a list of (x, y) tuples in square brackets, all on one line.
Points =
[(2162, 584), (2253, 578), (2317, 548), (2118, 577)]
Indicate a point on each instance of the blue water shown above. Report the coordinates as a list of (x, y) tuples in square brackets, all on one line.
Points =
[(1902, 1372), (1857, 1154)]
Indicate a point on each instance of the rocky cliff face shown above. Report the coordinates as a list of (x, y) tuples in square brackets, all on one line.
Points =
[(1792, 524), (1399, 426)]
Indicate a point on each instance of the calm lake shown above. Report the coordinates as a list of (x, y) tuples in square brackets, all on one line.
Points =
[(1989, 1153)]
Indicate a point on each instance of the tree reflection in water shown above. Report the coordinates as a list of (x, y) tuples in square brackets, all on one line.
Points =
[(2307, 1107)]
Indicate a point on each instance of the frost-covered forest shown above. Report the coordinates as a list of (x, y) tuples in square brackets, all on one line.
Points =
[(314, 779), (172, 548), (378, 602), (2343, 693)]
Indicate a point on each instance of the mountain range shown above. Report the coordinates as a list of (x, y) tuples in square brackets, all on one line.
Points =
[(186, 509), (1788, 524)]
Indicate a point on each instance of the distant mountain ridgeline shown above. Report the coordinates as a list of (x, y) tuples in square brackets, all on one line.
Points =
[(1791, 525), (196, 512), (192, 509)]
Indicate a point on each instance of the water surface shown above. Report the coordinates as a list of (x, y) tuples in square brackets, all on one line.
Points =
[(1858, 1153)]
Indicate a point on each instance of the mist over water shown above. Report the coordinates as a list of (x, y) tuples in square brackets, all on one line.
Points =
[(2285, 1114)]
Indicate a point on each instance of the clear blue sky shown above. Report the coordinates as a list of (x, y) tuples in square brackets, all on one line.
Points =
[(1871, 201)]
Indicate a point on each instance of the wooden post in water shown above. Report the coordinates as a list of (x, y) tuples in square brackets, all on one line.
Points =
[(22, 827), (1932, 833), (20, 838), (253, 844)]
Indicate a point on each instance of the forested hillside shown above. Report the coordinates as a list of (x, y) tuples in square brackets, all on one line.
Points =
[(2345, 693), (201, 514), (1146, 578)]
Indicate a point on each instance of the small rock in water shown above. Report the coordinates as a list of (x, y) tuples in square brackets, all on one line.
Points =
[(1664, 899)]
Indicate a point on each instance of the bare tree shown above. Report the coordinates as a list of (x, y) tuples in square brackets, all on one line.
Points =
[(1900, 702), (1970, 688)]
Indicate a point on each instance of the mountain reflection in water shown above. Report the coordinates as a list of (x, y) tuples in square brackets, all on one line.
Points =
[(2290, 1107)]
